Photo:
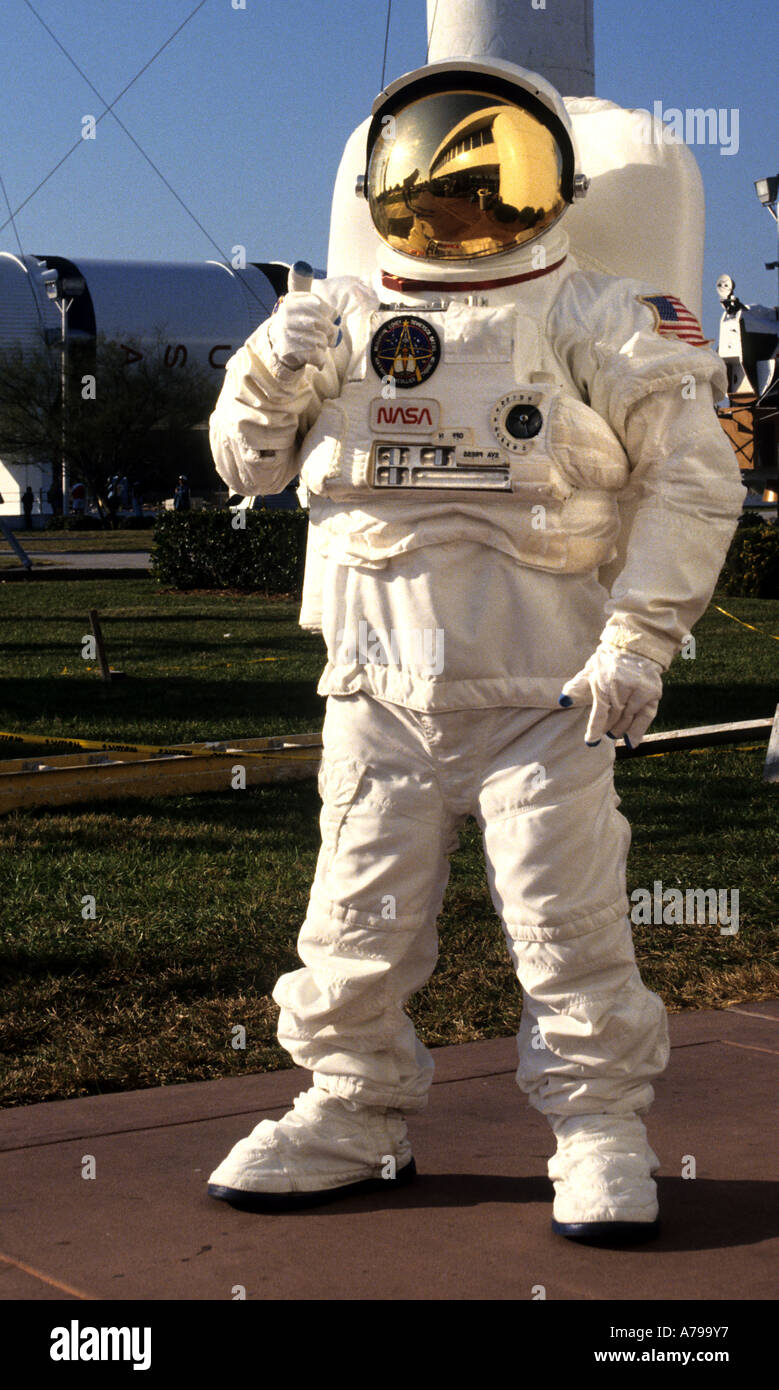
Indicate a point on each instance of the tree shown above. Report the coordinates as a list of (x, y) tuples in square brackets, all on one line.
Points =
[(121, 401)]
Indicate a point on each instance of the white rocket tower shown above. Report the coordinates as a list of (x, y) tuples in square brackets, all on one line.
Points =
[(555, 41)]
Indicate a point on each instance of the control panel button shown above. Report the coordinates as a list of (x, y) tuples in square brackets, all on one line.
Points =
[(524, 421)]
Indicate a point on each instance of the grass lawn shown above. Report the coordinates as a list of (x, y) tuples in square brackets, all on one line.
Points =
[(55, 542), (199, 899), (198, 666)]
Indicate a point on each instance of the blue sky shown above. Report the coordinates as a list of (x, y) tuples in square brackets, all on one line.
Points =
[(246, 113)]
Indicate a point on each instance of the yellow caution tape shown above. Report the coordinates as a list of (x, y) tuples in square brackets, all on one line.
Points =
[(208, 666), (713, 748), (759, 630), (199, 750), (48, 740)]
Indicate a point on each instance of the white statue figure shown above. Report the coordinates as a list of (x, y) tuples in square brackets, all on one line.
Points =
[(480, 427)]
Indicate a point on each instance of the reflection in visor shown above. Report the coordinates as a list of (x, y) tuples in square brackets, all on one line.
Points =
[(460, 174)]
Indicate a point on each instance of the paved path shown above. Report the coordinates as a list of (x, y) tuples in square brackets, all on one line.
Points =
[(92, 559), (475, 1225), (73, 564)]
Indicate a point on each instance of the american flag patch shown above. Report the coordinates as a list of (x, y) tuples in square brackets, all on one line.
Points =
[(672, 316)]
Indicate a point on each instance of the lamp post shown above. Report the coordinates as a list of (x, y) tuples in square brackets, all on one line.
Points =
[(62, 291), (767, 191)]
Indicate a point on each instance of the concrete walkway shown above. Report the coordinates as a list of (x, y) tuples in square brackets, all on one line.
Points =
[(475, 1224), (92, 559), (74, 564)]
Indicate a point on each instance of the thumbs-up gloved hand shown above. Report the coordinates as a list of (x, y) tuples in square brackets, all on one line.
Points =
[(301, 329), (624, 690)]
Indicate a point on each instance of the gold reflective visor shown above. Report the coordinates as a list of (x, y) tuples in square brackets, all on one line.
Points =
[(463, 174)]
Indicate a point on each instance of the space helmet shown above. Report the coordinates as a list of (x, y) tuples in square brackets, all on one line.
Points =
[(468, 158)]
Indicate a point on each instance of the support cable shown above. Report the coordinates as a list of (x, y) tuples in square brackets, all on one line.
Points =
[(430, 35), (386, 41)]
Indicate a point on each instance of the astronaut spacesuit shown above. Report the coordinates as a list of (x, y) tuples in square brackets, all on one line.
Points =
[(480, 430)]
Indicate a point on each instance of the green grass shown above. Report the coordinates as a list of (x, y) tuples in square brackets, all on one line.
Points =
[(199, 899), (54, 542), (198, 666)]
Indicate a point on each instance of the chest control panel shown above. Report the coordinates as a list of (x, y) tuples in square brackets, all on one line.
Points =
[(440, 466)]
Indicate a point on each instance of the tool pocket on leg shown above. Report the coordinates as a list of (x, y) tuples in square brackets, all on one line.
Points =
[(340, 780)]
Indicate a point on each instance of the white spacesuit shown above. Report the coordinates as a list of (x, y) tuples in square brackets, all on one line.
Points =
[(480, 430)]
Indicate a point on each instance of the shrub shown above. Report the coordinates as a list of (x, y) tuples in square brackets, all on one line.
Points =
[(203, 550), (751, 569)]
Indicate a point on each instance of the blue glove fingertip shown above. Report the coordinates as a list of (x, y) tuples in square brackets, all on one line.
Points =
[(613, 737), (592, 745), (627, 742), (565, 701)]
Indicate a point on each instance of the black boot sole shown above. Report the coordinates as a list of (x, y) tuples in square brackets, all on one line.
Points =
[(607, 1233), (296, 1201)]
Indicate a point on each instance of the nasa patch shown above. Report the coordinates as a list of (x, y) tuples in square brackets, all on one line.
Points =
[(418, 417), (407, 349)]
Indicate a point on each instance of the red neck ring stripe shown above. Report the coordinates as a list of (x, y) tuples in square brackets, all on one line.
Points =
[(406, 285)]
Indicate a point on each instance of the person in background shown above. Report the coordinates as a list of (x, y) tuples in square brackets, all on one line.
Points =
[(28, 502), (181, 499), (137, 496), (54, 497), (112, 500), (78, 499)]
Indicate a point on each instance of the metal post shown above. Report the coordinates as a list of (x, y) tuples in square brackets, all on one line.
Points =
[(62, 292), (771, 769), (776, 262), (63, 306), (107, 672), (18, 549)]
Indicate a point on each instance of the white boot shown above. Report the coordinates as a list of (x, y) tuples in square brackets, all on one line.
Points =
[(322, 1148), (604, 1191)]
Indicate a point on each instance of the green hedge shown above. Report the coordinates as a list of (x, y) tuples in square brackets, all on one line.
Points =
[(751, 569), (203, 550)]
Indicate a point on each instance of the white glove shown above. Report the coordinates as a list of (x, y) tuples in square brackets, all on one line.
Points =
[(301, 329), (624, 689)]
